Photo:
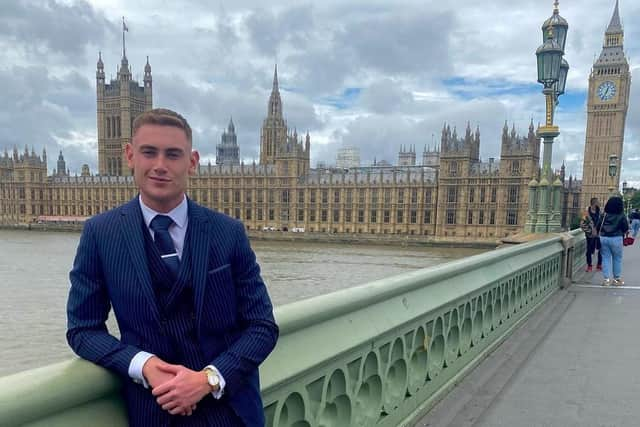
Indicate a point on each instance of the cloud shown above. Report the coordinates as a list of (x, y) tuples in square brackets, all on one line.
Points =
[(375, 74)]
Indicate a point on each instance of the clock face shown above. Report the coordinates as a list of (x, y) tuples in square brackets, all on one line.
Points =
[(606, 90)]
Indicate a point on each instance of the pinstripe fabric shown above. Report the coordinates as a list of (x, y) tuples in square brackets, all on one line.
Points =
[(220, 312)]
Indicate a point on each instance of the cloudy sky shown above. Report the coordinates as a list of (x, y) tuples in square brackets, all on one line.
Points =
[(369, 73)]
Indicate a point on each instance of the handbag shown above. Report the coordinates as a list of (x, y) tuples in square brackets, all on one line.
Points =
[(628, 241)]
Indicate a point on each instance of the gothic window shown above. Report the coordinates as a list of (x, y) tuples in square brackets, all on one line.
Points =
[(399, 216), (323, 215), (374, 196), (414, 216), (259, 214), (427, 217), (427, 196), (312, 197), (237, 213), (515, 167), (349, 196), (482, 194), (414, 196), (451, 216), (361, 197), (336, 215), (300, 214), (360, 215), (248, 195), (470, 217), (347, 215), (472, 194), (118, 121), (325, 196), (494, 194), (513, 194), (312, 215), (386, 216), (453, 168), (481, 217), (236, 196), (271, 214), (301, 197), (492, 217), (336, 196), (108, 127), (512, 217), (272, 196), (400, 196), (248, 214), (285, 196), (387, 196), (374, 216), (452, 194)]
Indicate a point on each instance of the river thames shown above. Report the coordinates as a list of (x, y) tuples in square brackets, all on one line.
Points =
[(34, 268)]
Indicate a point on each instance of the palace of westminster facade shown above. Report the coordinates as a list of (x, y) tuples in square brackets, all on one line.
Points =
[(453, 195)]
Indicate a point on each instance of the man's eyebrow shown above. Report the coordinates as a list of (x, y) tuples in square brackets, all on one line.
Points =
[(148, 147)]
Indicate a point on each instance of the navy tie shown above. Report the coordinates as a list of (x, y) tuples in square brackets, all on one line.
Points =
[(160, 226)]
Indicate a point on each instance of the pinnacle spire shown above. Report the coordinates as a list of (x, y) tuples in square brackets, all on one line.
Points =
[(615, 24), (275, 78), (124, 49)]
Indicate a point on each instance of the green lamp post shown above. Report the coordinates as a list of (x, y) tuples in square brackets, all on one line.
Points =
[(613, 170), (552, 74)]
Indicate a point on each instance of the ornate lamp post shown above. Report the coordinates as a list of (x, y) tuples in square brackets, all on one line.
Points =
[(544, 216), (613, 170)]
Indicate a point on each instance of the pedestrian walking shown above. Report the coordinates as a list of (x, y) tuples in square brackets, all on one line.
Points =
[(612, 227), (591, 233)]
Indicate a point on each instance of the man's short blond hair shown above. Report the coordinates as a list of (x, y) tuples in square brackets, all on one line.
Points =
[(162, 117)]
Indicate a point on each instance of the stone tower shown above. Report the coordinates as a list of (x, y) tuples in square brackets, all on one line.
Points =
[(287, 151), (608, 103), (118, 104), (228, 152)]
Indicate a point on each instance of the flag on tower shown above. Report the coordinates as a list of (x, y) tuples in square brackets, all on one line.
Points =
[(124, 26)]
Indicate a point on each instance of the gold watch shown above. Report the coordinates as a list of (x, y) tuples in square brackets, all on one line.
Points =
[(213, 379)]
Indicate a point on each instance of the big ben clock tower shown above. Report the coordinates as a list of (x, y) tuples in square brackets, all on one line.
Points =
[(608, 102)]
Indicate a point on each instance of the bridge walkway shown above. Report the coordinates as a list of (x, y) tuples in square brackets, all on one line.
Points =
[(575, 362)]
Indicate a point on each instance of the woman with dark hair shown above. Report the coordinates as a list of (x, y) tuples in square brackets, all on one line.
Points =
[(612, 225)]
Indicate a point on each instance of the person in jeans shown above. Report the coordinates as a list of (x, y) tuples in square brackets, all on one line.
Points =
[(634, 217), (612, 226), (593, 242)]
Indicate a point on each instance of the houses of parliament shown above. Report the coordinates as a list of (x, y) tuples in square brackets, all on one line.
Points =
[(450, 194)]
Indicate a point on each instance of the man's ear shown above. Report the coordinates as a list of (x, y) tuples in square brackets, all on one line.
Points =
[(128, 151), (194, 160)]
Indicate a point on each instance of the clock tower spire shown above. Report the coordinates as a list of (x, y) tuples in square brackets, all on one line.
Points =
[(607, 106)]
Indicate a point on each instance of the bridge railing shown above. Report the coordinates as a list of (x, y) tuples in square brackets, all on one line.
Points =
[(378, 354)]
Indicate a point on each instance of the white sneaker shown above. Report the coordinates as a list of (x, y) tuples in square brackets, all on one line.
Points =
[(618, 281), (607, 282)]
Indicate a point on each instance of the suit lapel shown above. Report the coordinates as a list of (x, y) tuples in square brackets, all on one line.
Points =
[(199, 240), (131, 230)]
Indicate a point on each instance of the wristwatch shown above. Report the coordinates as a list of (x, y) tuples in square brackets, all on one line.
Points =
[(213, 379)]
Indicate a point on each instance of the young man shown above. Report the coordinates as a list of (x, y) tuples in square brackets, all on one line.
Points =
[(194, 315), (593, 241)]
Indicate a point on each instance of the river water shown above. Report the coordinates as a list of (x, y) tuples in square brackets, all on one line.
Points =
[(34, 269)]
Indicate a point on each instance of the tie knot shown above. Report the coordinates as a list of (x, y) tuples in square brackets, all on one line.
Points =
[(161, 223)]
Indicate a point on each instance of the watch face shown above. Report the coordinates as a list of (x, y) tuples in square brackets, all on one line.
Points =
[(606, 90)]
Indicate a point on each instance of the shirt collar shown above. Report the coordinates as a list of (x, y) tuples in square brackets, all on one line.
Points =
[(177, 214)]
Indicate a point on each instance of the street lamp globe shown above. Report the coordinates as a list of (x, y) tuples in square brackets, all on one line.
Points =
[(562, 78), (559, 27), (549, 56)]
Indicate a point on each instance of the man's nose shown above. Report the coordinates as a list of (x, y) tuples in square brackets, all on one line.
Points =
[(160, 163)]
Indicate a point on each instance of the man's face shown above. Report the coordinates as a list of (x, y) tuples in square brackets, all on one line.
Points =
[(161, 159)]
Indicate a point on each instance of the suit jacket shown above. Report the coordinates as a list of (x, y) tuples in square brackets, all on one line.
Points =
[(235, 328)]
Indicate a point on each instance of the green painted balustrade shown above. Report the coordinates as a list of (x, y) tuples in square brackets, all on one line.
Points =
[(378, 354)]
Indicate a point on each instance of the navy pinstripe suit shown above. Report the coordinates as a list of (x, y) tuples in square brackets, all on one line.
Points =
[(234, 328)]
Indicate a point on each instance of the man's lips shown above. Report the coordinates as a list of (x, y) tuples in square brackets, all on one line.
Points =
[(159, 179)]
